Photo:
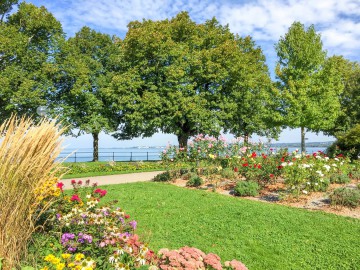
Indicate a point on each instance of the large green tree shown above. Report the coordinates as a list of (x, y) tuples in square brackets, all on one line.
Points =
[(29, 42), (83, 99), (350, 98), (307, 80), (252, 101), (174, 78)]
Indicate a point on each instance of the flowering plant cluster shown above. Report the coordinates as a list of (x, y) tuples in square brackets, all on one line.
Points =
[(302, 173), (89, 229), (92, 235), (190, 258)]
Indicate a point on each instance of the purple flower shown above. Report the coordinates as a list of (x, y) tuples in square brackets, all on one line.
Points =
[(133, 224), (84, 237), (66, 237)]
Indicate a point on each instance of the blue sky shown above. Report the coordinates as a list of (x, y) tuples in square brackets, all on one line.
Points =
[(338, 22)]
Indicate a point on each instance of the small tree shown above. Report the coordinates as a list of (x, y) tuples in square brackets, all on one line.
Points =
[(308, 82)]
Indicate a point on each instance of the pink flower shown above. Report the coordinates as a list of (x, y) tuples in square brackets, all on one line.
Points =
[(75, 197), (73, 182), (60, 185), (236, 265)]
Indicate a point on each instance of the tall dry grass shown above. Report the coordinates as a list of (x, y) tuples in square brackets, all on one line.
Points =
[(27, 163)]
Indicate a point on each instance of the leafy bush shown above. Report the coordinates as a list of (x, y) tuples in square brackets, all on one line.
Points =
[(247, 188), (188, 175), (355, 174), (195, 181), (228, 173), (347, 143), (345, 196), (340, 178), (163, 177)]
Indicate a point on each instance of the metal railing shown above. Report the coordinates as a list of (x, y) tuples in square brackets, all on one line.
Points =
[(110, 156)]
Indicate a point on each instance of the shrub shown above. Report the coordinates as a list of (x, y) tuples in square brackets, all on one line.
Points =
[(163, 177), (228, 173), (247, 188), (345, 196), (27, 167), (340, 178), (355, 174), (187, 176), (195, 181)]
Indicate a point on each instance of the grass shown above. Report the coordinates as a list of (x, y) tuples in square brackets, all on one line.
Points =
[(263, 236), (88, 169)]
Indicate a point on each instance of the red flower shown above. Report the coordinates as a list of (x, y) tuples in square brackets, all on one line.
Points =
[(127, 216), (236, 169), (245, 165), (271, 175), (73, 182), (60, 186), (79, 182), (314, 155), (280, 167), (75, 197), (259, 166), (253, 155), (293, 159), (282, 159)]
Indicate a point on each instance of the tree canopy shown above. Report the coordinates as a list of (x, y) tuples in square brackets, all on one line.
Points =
[(307, 80), (83, 99), (29, 41), (179, 76)]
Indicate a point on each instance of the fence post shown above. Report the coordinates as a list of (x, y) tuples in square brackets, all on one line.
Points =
[(147, 156), (75, 157), (130, 156)]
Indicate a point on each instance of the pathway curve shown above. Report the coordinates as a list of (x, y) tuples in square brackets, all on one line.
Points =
[(114, 179)]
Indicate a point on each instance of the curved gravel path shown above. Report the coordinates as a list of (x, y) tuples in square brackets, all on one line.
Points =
[(114, 179)]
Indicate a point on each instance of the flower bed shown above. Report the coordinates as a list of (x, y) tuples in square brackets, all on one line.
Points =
[(84, 234), (240, 168)]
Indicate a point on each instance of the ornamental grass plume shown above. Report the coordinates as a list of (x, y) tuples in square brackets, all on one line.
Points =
[(27, 165)]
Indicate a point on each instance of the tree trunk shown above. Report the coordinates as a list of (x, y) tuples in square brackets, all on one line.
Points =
[(182, 139), (95, 146), (303, 150), (246, 138)]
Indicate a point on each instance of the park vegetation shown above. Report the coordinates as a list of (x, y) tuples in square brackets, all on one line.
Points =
[(174, 76)]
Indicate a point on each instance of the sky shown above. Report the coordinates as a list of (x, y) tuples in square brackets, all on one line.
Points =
[(338, 22)]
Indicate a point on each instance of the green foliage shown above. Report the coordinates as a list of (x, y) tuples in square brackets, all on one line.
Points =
[(228, 173), (349, 197), (84, 100), (309, 83), (163, 177), (246, 188), (29, 44), (347, 143), (179, 77), (340, 178), (195, 181)]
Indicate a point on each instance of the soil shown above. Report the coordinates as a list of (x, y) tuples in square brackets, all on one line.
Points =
[(315, 201)]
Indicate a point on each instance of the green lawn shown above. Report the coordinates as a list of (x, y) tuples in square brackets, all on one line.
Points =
[(263, 236), (88, 169)]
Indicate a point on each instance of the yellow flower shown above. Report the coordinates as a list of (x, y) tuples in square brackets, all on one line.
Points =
[(79, 256), (45, 268), (71, 265), (55, 261), (49, 258), (65, 256), (60, 266)]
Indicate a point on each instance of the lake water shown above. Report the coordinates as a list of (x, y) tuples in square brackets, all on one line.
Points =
[(132, 153)]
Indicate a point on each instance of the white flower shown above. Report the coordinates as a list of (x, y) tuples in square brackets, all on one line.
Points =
[(305, 192), (334, 165), (284, 164), (336, 159), (326, 158), (290, 164), (88, 196), (318, 157), (308, 183), (316, 184), (327, 167)]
